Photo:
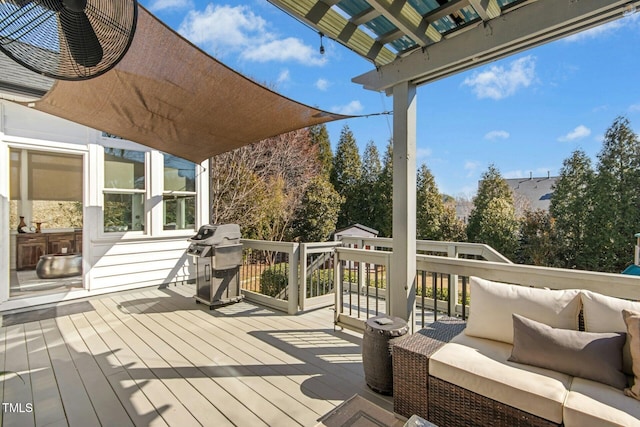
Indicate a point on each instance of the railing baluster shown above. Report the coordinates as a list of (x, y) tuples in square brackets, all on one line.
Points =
[(350, 298), (434, 287), (464, 297), (368, 282), (377, 286), (423, 291)]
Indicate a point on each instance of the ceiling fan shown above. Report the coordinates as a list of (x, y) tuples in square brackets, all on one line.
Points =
[(67, 39)]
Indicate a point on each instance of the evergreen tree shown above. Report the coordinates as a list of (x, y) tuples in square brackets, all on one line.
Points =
[(452, 229), (537, 239), (384, 207), (318, 213), (346, 176), (430, 207), (320, 138), (368, 189), (616, 211), (493, 218), (571, 209)]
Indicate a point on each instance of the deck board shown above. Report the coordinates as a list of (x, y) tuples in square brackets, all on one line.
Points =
[(75, 398), (17, 381), (153, 357), (46, 396), (3, 349), (260, 380), (104, 400)]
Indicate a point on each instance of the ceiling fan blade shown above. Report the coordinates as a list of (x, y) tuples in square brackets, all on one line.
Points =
[(82, 40)]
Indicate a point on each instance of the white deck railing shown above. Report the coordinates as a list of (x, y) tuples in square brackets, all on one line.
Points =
[(303, 270), (312, 272), (447, 278)]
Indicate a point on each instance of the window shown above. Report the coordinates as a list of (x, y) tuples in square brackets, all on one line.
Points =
[(124, 190), (45, 188), (179, 196)]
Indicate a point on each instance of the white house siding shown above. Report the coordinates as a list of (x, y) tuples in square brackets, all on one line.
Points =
[(111, 261), (144, 262)]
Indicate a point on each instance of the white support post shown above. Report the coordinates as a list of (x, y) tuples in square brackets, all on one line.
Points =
[(5, 235), (303, 276), (452, 252), (402, 289), (292, 301), (337, 285)]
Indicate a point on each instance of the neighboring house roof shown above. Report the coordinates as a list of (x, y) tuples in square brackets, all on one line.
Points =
[(18, 80), (364, 228), (531, 193), (535, 192)]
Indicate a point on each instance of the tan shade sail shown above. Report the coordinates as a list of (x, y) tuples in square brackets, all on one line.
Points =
[(169, 95)]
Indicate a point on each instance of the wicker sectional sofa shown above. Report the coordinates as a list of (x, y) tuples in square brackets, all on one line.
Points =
[(457, 373)]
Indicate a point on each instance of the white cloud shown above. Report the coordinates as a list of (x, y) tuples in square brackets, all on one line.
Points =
[(471, 167), (322, 84), (225, 29), (578, 133), (354, 107), (284, 76), (635, 108), (159, 5), (422, 153), (596, 32), (496, 134), (289, 49), (499, 82), (604, 30)]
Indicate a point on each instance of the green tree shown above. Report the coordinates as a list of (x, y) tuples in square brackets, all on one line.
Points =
[(537, 239), (368, 188), (384, 207), (493, 218), (346, 176), (616, 210), (318, 213), (452, 229), (571, 209), (430, 207), (320, 138)]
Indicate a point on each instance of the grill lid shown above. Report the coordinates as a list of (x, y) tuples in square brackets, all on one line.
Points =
[(217, 234)]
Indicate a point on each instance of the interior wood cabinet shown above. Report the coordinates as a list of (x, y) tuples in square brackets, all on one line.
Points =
[(31, 246), (29, 249), (61, 243)]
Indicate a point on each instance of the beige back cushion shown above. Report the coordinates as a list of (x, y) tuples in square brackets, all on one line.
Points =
[(493, 303), (603, 313)]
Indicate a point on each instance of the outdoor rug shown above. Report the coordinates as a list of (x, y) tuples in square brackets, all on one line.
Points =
[(358, 412)]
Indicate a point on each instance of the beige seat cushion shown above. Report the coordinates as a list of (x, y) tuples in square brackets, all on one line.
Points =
[(590, 403), (493, 303), (603, 313), (481, 366)]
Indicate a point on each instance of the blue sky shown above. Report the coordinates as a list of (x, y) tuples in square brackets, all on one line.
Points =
[(525, 113)]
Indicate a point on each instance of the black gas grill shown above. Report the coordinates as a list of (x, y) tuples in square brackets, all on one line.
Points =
[(217, 253)]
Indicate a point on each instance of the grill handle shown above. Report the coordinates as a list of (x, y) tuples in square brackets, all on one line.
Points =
[(207, 272)]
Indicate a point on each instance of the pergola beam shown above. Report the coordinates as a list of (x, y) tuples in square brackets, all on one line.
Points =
[(487, 9), (401, 14), (319, 15), (528, 26), (364, 16)]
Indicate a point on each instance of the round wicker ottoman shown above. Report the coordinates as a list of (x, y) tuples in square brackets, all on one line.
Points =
[(380, 332)]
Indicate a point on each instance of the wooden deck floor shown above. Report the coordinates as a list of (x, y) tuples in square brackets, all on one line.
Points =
[(155, 358)]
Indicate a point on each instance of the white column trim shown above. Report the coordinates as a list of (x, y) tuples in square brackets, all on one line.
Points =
[(402, 290)]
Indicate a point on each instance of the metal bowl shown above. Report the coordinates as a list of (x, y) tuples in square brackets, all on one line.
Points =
[(55, 266)]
